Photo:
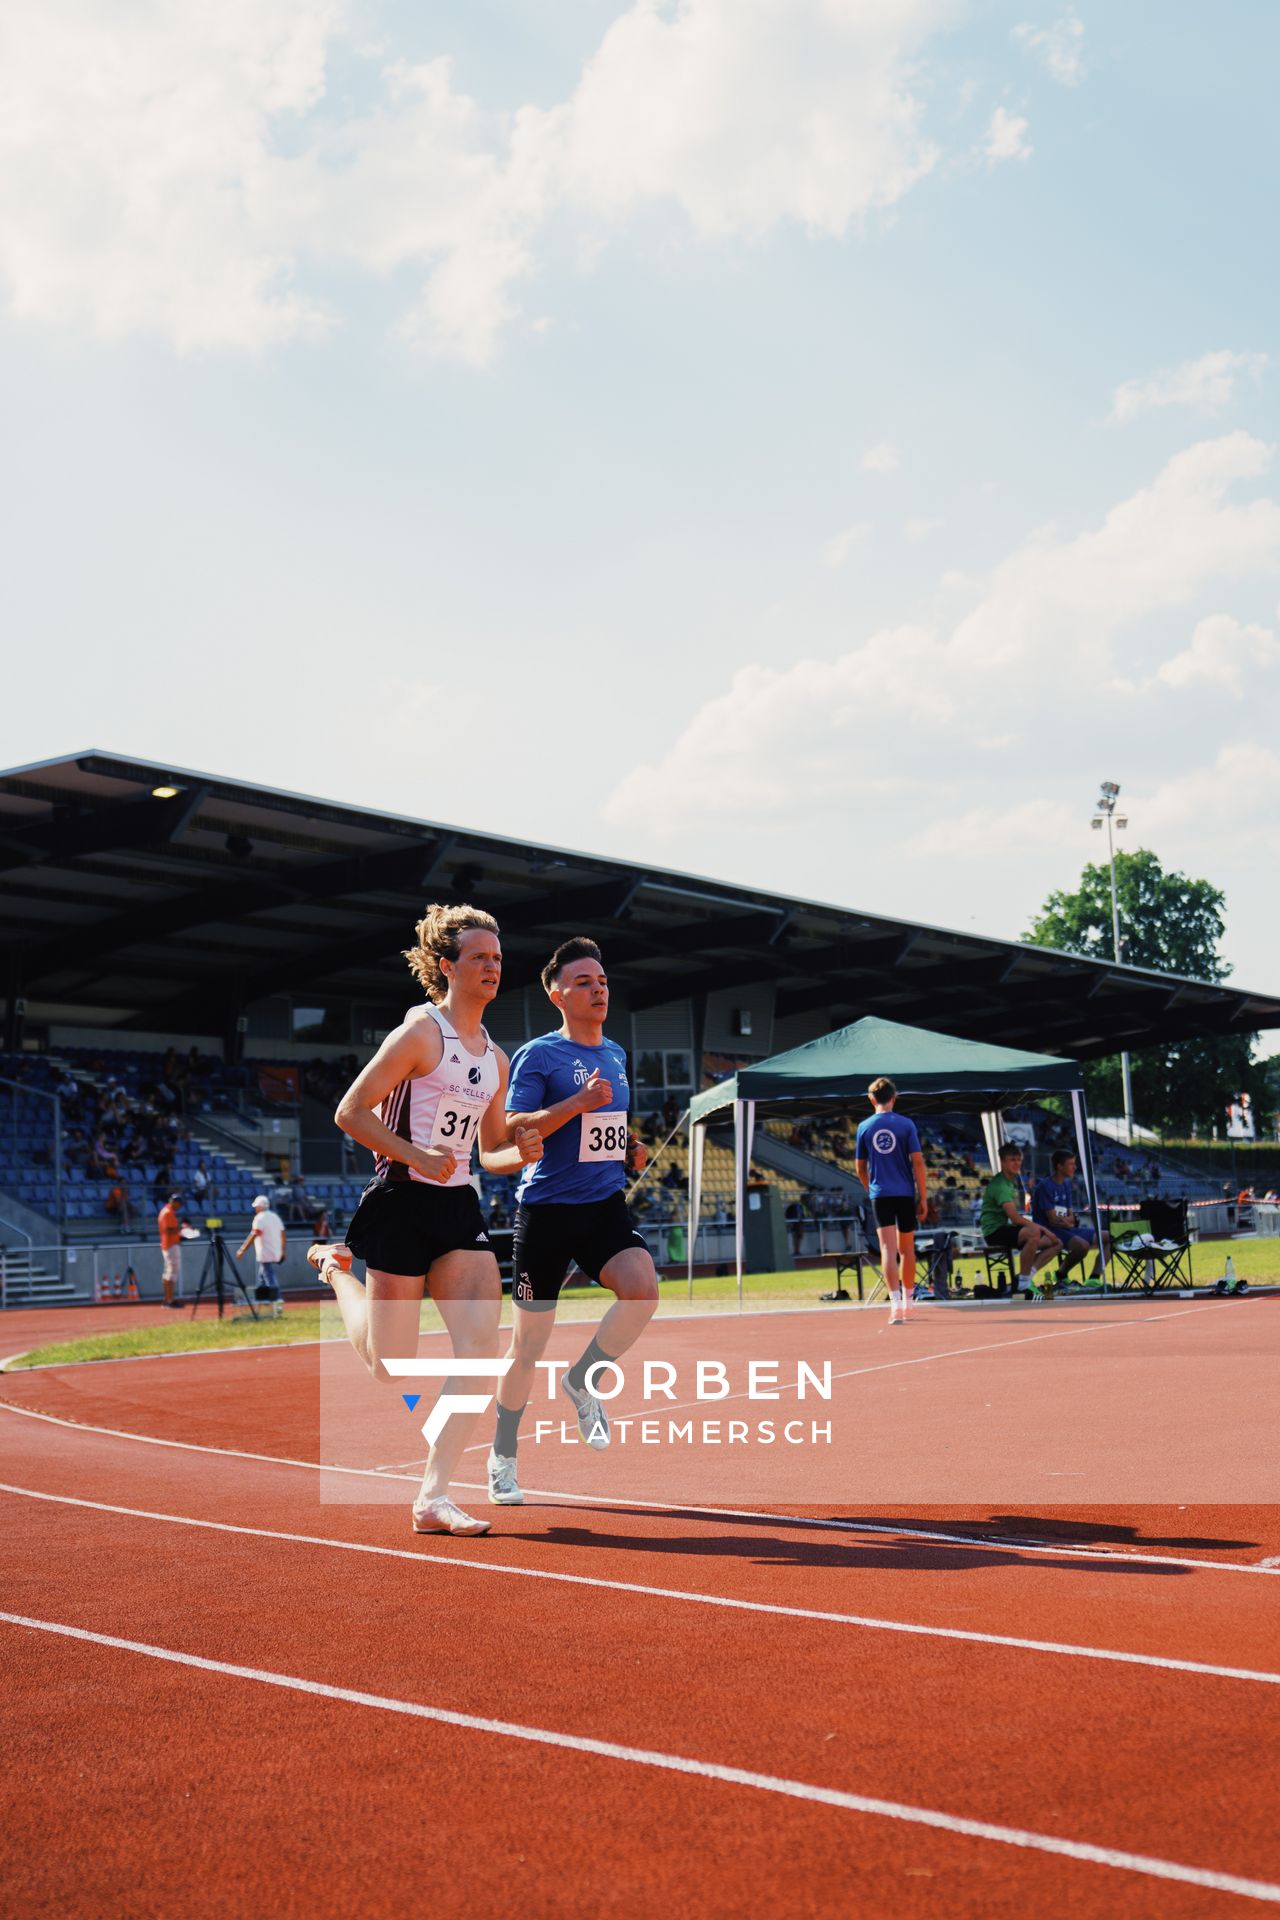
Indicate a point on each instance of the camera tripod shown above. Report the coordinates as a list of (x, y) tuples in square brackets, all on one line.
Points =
[(218, 1269)]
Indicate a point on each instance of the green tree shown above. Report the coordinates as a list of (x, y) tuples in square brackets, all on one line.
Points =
[(1173, 924)]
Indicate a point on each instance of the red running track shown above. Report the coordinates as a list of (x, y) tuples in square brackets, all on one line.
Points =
[(762, 1651)]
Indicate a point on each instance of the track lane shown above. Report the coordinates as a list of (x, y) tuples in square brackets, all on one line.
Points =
[(298, 1806), (1005, 1732), (1087, 1599)]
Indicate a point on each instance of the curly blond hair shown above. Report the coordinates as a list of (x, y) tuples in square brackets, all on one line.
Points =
[(439, 932)]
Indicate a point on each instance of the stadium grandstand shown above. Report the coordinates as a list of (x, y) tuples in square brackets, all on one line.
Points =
[(193, 966)]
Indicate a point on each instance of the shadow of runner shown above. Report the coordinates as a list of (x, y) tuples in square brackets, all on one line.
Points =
[(837, 1556), (1029, 1528)]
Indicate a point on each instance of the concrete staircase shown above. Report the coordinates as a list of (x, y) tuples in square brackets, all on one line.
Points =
[(27, 1284)]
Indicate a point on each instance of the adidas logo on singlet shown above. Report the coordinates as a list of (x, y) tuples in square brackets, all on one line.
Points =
[(454, 1058), (482, 1239)]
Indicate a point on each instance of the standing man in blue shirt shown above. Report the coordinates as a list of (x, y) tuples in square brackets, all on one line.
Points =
[(571, 1085), (890, 1166)]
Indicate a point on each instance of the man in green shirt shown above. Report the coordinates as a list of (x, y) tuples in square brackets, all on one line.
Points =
[(1004, 1223)]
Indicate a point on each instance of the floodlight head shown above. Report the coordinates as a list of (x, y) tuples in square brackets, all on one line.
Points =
[(1096, 823), (1111, 786), (1122, 821)]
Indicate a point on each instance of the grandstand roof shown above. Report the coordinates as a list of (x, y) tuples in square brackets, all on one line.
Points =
[(174, 914)]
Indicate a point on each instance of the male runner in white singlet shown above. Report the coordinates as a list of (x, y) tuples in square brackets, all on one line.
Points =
[(572, 1087), (435, 1086)]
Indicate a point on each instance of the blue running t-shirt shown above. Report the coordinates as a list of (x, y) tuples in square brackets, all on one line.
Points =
[(585, 1159), (1049, 1195), (886, 1142)]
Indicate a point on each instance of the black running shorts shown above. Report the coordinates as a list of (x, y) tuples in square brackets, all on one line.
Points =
[(401, 1226), (896, 1210), (1005, 1236), (549, 1238)]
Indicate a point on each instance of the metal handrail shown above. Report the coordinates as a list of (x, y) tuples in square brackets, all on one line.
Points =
[(4, 1258)]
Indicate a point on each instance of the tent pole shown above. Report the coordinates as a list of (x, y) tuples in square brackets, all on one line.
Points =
[(1080, 1114), (697, 1138), (744, 1117)]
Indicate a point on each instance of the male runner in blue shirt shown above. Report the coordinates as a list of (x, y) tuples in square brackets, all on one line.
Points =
[(890, 1166), (572, 1086)]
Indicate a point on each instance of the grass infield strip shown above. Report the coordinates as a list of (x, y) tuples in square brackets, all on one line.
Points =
[(1256, 1261)]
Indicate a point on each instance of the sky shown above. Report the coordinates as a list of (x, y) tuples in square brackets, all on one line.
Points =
[(810, 443)]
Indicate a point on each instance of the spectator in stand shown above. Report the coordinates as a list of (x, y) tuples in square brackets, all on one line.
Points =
[(1053, 1206), (170, 1223), (299, 1206), (269, 1242), (102, 1161), (794, 1214), (200, 1183), (1004, 1223), (117, 1204)]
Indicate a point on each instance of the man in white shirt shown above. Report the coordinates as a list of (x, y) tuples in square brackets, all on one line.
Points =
[(267, 1238)]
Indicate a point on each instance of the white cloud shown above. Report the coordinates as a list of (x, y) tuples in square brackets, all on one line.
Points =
[(1007, 138), (748, 114), (1236, 798), (179, 169), (841, 545), (1222, 653), (138, 179), (418, 184), (1154, 551), (1019, 828), (781, 741), (1208, 384), (882, 458), (916, 531), (1059, 48)]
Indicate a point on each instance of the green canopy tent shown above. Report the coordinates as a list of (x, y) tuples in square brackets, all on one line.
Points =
[(932, 1071)]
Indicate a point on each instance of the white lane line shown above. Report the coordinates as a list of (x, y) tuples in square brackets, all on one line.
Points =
[(1165, 1663), (680, 1509), (1113, 1857)]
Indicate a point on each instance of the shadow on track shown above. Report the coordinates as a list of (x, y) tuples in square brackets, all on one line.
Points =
[(837, 1556)]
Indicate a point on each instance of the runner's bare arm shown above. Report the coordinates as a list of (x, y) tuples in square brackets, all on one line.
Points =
[(922, 1186), (590, 1098), (504, 1149), (414, 1048)]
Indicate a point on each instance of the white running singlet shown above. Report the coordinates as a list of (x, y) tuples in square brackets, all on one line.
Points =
[(441, 1109)]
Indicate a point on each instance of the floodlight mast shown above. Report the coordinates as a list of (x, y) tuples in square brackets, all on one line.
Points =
[(1105, 810)]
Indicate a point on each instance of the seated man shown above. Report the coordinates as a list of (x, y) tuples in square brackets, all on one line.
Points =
[(1003, 1223), (1053, 1205)]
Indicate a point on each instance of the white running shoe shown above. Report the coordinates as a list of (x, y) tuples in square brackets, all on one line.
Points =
[(504, 1488), (897, 1318), (593, 1421), (444, 1516), (321, 1252)]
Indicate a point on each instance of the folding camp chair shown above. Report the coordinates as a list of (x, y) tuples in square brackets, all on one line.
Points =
[(1161, 1257), (997, 1259)]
